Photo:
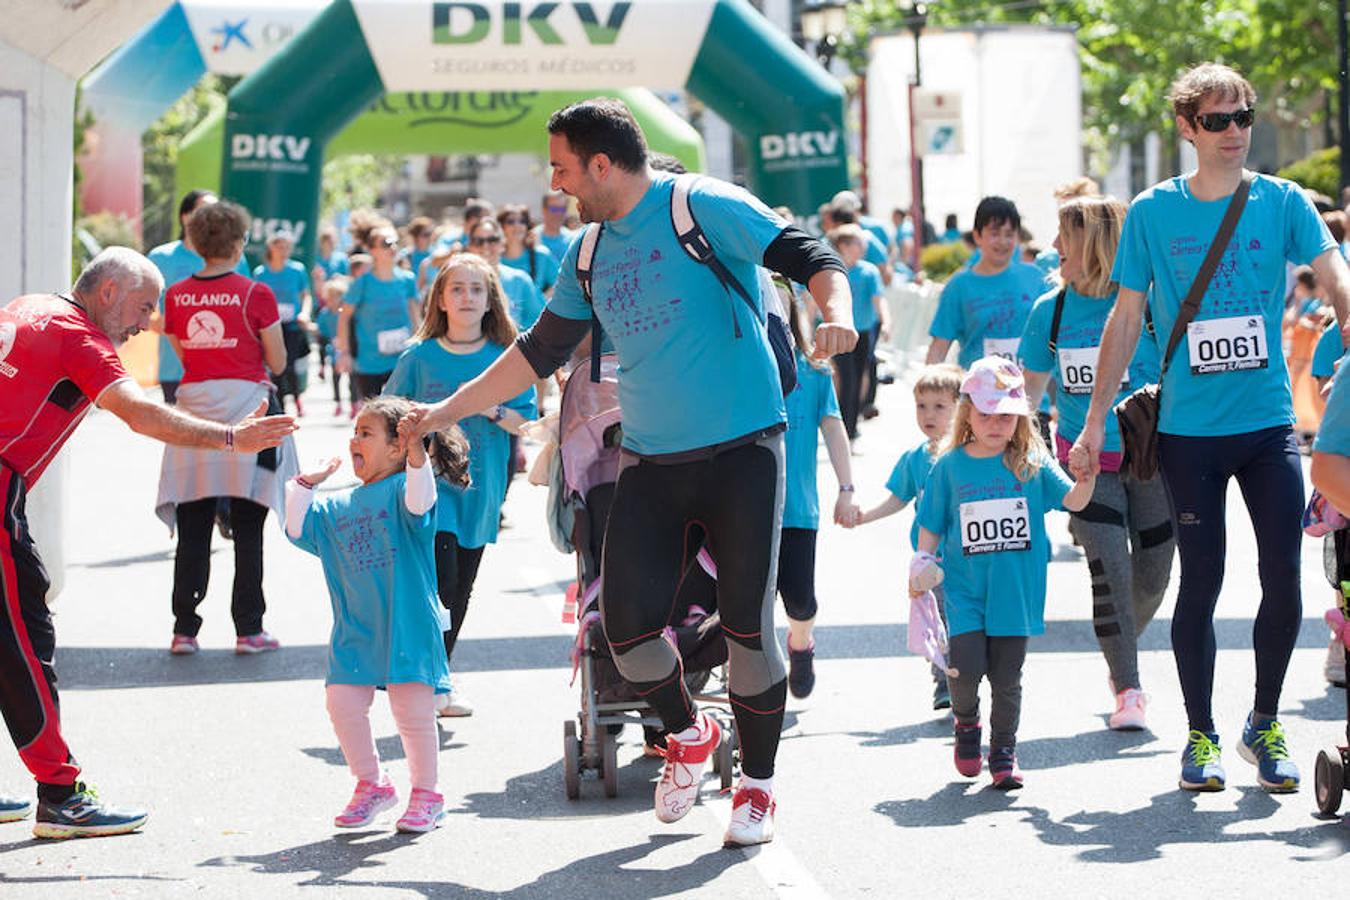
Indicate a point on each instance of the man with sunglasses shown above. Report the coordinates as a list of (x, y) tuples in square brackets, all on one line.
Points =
[(551, 233), (1227, 408)]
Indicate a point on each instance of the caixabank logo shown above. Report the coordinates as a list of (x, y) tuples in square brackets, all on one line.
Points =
[(476, 109), (472, 23)]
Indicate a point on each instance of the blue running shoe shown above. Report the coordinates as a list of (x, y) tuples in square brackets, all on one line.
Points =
[(1265, 749), (12, 809), (1200, 766), (82, 814)]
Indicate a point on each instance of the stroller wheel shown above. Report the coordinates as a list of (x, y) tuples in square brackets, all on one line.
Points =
[(722, 761), (609, 769), (571, 760), (1329, 780)]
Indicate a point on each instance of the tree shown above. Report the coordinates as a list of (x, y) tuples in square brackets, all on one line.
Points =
[(159, 148), (355, 181)]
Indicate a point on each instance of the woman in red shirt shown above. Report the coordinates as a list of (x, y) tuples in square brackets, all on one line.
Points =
[(227, 331)]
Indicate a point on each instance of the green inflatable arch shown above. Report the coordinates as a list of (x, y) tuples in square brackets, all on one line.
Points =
[(435, 123), (280, 119)]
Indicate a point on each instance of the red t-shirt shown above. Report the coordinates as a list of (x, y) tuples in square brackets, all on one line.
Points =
[(217, 321), (54, 362)]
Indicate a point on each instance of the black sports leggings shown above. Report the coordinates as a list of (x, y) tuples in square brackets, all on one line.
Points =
[(852, 368), (456, 571), (736, 499), (797, 573), (1196, 471), (192, 564)]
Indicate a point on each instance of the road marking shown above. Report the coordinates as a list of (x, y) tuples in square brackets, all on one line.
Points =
[(774, 861)]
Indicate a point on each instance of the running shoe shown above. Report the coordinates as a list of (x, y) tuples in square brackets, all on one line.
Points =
[(425, 811), (1003, 768), (967, 752), (751, 818), (1201, 769), (801, 670), (453, 705), (299, 407), (1265, 749), (942, 692), (183, 645), (255, 643), (12, 809), (1129, 714), (1334, 668), (82, 814), (368, 801), (677, 790)]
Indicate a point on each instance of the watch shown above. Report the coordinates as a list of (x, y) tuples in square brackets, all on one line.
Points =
[(498, 413)]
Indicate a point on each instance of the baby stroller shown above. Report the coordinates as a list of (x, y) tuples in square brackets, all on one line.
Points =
[(1333, 761), (590, 432)]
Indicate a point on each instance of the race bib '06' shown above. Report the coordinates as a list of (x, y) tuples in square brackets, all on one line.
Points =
[(1078, 369)]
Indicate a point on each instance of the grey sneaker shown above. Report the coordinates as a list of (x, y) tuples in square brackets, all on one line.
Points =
[(82, 814), (12, 809)]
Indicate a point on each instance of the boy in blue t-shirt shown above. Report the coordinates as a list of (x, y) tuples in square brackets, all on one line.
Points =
[(870, 318)]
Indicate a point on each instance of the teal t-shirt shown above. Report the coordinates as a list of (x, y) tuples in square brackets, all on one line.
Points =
[(557, 244), (545, 267), (416, 258), (380, 319), (428, 373), (289, 283), (1328, 350), (524, 299), (685, 380), (993, 545), (908, 479), (864, 283), (334, 264), (326, 320), (379, 561), (876, 250), (176, 262), (809, 404), (877, 230), (1333, 436), (1073, 366), (985, 313), (1228, 375)]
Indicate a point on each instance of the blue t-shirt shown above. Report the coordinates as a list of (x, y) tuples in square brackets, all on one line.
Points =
[(986, 313), (1047, 261), (327, 322), (416, 258), (380, 319), (176, 262), (428, 373), (685, 380), (557, 244), (1328, 350), (545, 266), (522, 296), (993, 544), (809, 404), (908, 479), (380, 564), (334, 264), (1236, 333), (289, 283), (1073, 366), (1333, 436), (876, 250), (877, 229), (864, 283)]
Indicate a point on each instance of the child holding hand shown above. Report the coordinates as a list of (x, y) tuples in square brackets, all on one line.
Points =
[(983, 510), (376, 543)]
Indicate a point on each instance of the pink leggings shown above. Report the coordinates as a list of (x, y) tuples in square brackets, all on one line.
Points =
[(414, 708)]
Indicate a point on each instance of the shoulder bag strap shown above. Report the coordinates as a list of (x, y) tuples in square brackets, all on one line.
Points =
[(585, 261), (1054, 322)]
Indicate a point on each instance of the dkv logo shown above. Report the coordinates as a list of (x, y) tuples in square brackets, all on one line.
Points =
[(798, 144), (471, 23), (271, 147), (263, 229)]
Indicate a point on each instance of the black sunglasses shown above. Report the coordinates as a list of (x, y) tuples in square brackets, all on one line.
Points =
[(1218, 122), (478, 242)]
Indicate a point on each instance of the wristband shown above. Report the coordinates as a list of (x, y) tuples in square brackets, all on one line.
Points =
[(304, 482), (229, 438), (845, 488), (498, 413)]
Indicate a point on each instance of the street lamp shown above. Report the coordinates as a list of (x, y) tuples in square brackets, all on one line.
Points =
[(822, 23), (915, 21)]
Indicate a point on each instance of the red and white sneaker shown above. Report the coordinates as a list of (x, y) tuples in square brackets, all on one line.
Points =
[(425, 811), (677, 791), (183, 645), (1129, 714), (255, 643), (368, 801), (751, 818)]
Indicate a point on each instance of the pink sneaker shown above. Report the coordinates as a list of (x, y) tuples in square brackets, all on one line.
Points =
[(255, 643), (425, 811), (677, 790), (966, 753), (1129, 714), (368, 801), (183, 645)]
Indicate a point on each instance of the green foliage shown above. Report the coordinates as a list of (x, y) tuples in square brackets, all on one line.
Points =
[(84, 120), (159, 146), (355, 182), (941, 261), (1319, 172)]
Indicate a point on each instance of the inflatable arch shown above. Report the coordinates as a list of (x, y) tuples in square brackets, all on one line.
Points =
[(281, 118)]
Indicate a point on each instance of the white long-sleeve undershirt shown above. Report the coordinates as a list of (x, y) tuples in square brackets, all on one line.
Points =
[(419, 496)]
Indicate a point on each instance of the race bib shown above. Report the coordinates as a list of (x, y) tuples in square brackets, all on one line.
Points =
[(1004, 347), (995, 526), (393, 341), (1231, 344), (1078, 369), (286, 311)]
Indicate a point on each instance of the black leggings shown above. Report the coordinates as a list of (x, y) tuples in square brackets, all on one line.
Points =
[(192, 564), (456, 571), (736, 499), (366, 387), (1196, 471), (797, 573), (852, 368)]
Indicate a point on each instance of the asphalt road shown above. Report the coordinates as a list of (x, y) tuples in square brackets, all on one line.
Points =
[(238, 765)]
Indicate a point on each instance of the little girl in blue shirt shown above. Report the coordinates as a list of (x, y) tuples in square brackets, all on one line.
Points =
[(983, 511), (376, 544)]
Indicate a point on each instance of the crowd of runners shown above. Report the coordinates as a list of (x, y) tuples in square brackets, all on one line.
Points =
[(742, 340)]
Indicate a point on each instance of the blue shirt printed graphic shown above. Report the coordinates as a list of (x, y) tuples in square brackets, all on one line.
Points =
[(380, 319), (809, 404), (986, 313)]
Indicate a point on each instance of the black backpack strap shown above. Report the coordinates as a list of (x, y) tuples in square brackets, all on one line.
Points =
[(533, 255), (590, 239), (697, 245), (1054, 322)]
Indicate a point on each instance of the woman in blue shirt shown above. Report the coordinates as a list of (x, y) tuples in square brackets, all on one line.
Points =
[(380, 313), (522, 252), (288, 281)]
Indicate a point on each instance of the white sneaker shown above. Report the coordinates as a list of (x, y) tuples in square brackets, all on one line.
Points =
[(1334, 669), (751, 818), (1129, 714), (453, 704), (677, 791)]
